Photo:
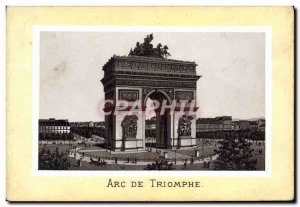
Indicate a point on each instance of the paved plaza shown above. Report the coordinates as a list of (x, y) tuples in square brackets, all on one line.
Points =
[(185, 159)]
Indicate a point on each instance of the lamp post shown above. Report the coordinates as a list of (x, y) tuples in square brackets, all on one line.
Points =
[(152, 143), (175, 156)]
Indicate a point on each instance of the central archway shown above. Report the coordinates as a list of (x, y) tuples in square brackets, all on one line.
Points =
[(162, 135)]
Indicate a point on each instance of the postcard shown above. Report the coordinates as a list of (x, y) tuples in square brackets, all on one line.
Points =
[(127, 104)]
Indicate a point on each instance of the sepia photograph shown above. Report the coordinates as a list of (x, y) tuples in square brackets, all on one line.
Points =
[(152, 101), (150, 104)]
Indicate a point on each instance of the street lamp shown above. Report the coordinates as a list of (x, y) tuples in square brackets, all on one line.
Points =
[(175, 156), (152, 143)]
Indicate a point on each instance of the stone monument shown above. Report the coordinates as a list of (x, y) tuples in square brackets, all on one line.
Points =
[(148, 73)]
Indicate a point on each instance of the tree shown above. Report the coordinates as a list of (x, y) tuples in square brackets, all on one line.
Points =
[(42, 136), (70, 137), (235, 154), (53, 161), (64, 137)]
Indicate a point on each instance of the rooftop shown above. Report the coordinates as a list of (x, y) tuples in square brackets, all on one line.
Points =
[(53, 122), (216, 120), (208, 121)]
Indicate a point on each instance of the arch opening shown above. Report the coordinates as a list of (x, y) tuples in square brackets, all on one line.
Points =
[(157, 125)]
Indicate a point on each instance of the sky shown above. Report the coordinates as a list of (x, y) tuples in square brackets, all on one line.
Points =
[(232, 66)]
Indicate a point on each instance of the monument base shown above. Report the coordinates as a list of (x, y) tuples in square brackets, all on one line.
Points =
[(129, 145), (186, 141)]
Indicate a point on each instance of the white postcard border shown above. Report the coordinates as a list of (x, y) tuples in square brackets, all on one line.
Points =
[(36, 85)]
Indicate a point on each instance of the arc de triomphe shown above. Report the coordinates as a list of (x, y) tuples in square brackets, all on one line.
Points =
[(147, 73)]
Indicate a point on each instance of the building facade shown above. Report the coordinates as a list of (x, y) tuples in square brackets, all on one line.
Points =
[(53, 126), (244, 125), (253, 125), (222, 123), (225, 123)]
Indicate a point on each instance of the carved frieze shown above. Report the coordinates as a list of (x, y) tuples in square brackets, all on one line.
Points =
[(184, 95), (156, 83), (128, 95), (184, 126), (160, 67), (129, 126)]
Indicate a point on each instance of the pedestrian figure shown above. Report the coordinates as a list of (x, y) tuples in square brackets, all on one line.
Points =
[(192, 161), (116, 160)]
